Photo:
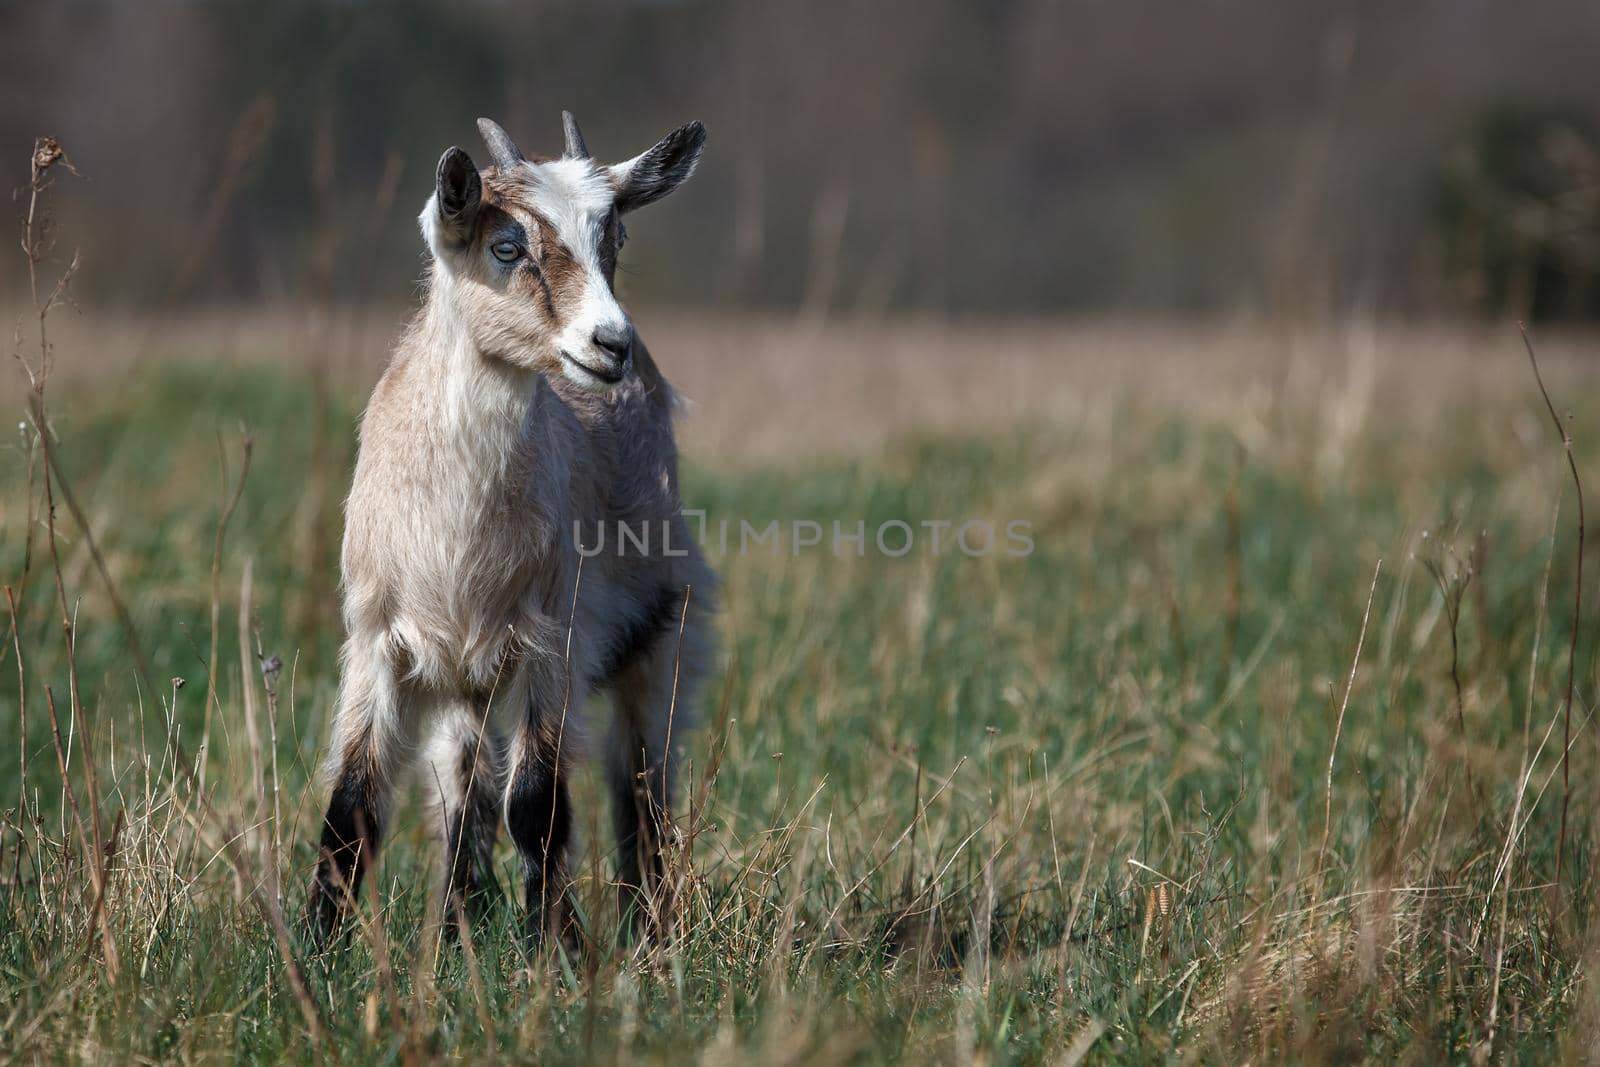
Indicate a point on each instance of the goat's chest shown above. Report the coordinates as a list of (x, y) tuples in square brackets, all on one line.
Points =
[(455, 556)]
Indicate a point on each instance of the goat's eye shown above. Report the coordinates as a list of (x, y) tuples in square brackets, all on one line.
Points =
[(506, 251)]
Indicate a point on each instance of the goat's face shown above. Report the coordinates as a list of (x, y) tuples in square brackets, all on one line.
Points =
[(528, 248)]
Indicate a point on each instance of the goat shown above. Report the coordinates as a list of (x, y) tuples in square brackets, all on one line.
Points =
[(519, 410)]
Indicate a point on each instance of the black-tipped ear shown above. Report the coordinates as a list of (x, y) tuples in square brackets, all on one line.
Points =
[(647, 178), (459, 191)]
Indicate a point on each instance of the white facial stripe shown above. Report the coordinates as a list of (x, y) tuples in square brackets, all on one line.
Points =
[(574, 198)]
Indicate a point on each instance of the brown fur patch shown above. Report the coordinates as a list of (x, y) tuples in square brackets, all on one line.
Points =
[(562, 273)]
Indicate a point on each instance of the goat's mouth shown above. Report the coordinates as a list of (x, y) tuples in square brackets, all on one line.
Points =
[(605, 374)]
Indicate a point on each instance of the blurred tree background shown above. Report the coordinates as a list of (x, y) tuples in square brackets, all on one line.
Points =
[(1008, 156)]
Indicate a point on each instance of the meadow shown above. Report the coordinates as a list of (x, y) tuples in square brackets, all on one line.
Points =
[(1257, 755)]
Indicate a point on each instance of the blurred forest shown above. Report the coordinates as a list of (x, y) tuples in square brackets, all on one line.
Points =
[(1008, 156)]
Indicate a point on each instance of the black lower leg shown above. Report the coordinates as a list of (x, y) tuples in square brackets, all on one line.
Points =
[(469, 848), (639, 806), (539, 818), (350, 833)]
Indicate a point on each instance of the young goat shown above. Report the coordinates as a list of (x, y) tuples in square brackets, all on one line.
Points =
[(519, 416)]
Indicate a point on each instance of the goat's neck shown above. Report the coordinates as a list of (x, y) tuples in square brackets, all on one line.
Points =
[(481, 403)]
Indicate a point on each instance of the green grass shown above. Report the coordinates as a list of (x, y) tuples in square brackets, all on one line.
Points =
[(1147, 700)]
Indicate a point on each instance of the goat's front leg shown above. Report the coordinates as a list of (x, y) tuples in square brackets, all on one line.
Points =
[(538, 812), (372, 728), (465, 771)]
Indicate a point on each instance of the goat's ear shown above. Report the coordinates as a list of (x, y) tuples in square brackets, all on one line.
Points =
[(646, 178), (457, 193)]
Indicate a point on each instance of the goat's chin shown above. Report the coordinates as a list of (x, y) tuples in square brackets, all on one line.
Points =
[(588, 382)]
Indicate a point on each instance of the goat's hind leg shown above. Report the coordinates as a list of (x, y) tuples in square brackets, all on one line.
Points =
[(465, 773), (655, 695), (370, 746)]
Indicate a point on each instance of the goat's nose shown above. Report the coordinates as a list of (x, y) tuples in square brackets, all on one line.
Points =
[(618, 340)]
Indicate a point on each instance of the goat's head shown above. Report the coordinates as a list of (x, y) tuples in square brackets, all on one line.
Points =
[(527, 248)]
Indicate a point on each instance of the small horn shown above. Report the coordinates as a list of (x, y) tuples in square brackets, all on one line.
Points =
[(502, 149), (576, 149)]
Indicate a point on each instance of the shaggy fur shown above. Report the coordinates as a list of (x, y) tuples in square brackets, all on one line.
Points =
[(514, 414)]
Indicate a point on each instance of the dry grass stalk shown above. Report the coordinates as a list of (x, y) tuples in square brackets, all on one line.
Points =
[(98, 863), (1453, 586), (212, 665), (22, 706), (36, 246), (677, 863), (47, 154), (1514, 827), (1338, 729), (1577, 604), (247, 692)]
